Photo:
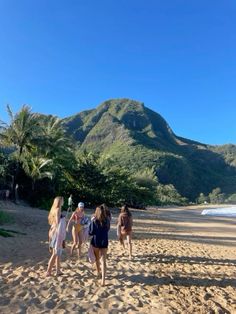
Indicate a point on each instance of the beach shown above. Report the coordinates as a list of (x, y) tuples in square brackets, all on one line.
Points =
[(182, 263)]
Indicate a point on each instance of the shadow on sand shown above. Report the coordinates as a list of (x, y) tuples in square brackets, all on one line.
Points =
[(178, 280), (170, 259)]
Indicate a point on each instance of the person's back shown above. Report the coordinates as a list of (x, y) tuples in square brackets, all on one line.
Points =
[(99, 233), (57, 234), (98, 229), (125, 221), (124, 227)]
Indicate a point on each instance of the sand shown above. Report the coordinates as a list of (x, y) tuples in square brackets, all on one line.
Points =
[(183, 263)]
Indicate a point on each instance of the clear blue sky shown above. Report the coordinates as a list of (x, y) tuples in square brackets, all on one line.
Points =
[(178, 57)]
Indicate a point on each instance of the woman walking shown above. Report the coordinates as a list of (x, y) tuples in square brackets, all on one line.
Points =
[(98, 229), (124, 228), (57, 234), (77, 230)]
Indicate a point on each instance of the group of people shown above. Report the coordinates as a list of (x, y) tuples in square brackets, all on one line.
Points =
[(82, 227)]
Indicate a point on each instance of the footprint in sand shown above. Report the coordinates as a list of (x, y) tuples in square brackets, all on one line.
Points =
[(34, 301), (50, 304), (5, 301)]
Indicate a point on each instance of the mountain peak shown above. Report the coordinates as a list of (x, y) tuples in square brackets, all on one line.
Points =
[(120, 105), (136, 137), (138, 123)]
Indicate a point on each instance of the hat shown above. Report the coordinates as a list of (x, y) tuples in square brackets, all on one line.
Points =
[(81, 205)]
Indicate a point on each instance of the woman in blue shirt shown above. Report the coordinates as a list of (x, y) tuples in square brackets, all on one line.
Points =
[(98, 229)]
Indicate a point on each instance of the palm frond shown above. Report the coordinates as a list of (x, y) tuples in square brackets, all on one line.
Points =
[(10, 113)]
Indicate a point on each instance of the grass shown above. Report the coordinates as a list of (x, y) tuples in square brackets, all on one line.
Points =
[(8, 232), (5, 234), (5, 218)]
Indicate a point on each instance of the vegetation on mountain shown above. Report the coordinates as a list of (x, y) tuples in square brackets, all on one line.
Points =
[(126, 133), (119, 152)]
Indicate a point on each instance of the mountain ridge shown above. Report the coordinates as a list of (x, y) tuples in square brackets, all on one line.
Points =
[(135, 137)]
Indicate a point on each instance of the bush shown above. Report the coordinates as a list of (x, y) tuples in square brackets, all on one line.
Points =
[(231, 199), (216, 196), (202, 199), (43, 203), (168, 195)]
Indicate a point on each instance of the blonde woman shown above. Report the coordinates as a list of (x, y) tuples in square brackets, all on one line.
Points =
[(57, 234), (77, 229)]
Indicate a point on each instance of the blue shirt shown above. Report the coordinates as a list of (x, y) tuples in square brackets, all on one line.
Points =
[(99, 233)]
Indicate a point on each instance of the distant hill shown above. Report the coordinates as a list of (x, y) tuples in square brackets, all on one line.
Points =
[(126, 132)]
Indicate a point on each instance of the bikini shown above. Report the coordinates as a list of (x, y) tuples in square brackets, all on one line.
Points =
[(77, 218)]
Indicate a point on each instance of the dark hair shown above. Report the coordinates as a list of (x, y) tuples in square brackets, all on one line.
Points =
[(107, 211), (125, 209), (100, 214)]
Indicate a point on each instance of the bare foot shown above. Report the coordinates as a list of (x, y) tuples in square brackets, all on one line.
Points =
[(48, 274)]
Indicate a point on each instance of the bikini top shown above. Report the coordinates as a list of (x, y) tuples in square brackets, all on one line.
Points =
[(78, 216)]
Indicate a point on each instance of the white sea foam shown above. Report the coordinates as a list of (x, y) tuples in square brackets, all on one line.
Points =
[(221, 211)]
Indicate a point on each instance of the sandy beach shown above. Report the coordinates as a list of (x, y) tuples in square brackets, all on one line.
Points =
[(183, 263)]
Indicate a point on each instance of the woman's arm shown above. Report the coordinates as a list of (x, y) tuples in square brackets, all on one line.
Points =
[(58, 216), (69, 222), (108, 224), (119, 221), (92, 228)]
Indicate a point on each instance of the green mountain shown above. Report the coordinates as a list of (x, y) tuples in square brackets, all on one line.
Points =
[(127, 133)]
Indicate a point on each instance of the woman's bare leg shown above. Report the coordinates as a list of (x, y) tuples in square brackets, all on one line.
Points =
[(97, 256), (58, 264), (129, 237), (104, 264), (75, 239), (80, 243), (122, 242), (51, 263)]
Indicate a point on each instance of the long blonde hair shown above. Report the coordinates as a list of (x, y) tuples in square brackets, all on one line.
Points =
[(55, 209)]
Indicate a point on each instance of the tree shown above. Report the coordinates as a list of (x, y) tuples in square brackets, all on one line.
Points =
[(231, 199), (90, 182), (119, 187), (54, 144), (216, 196), (146, 182), (36, 168), (4, 171), (167, 194), (19, 134), (202, 198), (53, 139)]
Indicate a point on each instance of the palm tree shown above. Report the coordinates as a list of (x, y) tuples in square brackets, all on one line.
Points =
[(19, 134), (56, 145), (37, 168), (21, 130)]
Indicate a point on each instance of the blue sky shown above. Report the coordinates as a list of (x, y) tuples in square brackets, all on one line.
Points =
[(178, 57)]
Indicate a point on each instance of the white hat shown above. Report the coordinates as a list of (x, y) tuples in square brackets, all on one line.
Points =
[(81, 205)]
